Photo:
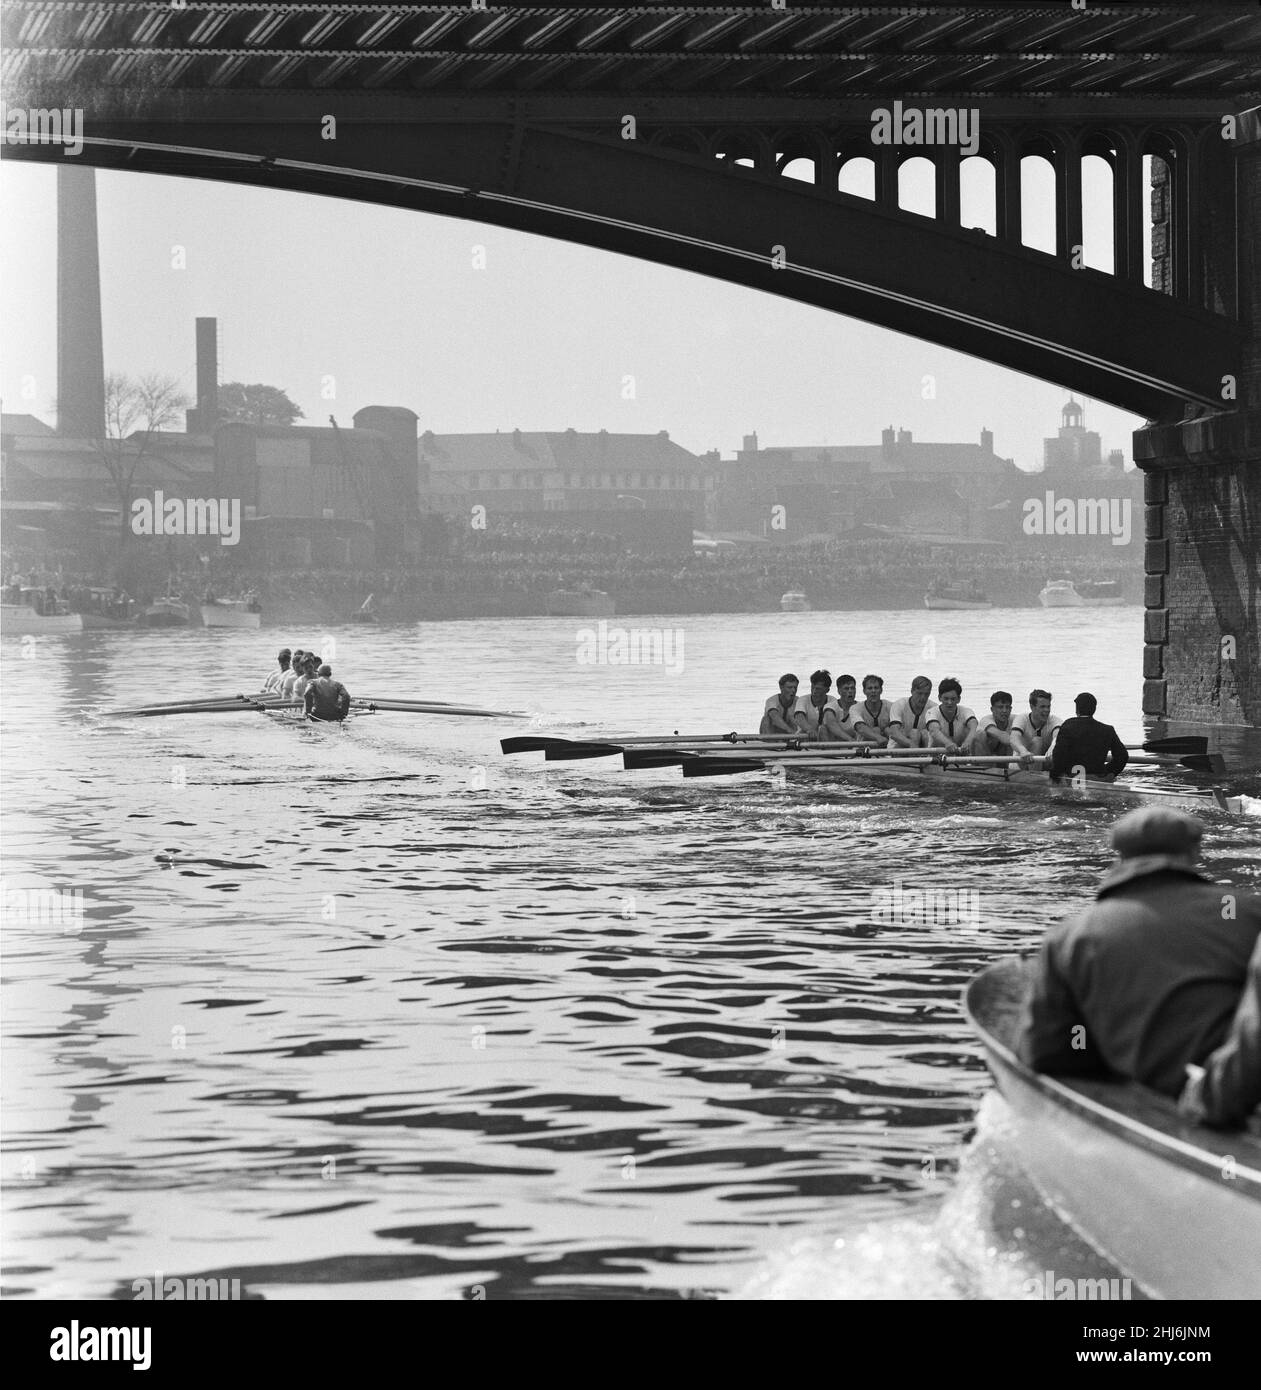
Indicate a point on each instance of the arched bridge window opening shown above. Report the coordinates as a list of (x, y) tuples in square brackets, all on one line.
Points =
[(801, 168), (1158, 229), (683, 142), (978, 195), (737, 149), (1037, 203), (857, 177), (917, 186), (1098, 214)]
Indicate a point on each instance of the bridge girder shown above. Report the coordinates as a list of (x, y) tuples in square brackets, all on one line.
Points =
[(492, 160)]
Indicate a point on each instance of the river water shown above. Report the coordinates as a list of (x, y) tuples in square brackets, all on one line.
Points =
[(377, 1012)]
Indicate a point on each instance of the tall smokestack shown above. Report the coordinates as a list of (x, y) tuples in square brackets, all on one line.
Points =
[(206, 416), (80, 355)]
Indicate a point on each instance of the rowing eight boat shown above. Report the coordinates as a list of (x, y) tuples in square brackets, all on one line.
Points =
[(935, 771)]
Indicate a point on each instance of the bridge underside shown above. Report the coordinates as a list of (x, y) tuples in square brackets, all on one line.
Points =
[(964, 290)]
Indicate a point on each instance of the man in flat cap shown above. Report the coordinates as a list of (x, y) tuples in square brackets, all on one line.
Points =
[(1148, 978)]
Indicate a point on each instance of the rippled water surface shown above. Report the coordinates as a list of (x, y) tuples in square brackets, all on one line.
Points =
[(375, 1011)]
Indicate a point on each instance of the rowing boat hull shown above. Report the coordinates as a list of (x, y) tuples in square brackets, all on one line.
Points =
[(1034, 785), (1176, 1206)]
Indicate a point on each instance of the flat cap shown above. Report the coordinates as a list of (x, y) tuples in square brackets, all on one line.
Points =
[(1156, 830)]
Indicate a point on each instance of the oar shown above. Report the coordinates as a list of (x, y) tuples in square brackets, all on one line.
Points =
[(430, 707), (636, 758), (725, 767), (230, 705)]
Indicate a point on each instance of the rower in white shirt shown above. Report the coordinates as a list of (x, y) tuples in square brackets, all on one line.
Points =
[(871, 718), (847, 710), (290, 678), (273, 681), (993, 735), (951, 724), (307, 675), (778, 714), (909, 716), (817, 713), (1033, 734)]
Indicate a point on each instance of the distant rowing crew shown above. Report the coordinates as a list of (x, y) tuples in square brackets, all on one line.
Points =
[(302, 677), (916, 721)]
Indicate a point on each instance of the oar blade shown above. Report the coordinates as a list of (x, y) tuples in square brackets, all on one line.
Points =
[(721, 767), (1189, 744), (635, 758), (530, 743), (571, 752), (1212, 763)]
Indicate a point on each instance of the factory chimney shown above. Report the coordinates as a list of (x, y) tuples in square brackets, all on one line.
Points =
[(80, 355), (205, 416)]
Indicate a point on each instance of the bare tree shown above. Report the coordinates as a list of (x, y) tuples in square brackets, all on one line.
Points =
[(136, 410)]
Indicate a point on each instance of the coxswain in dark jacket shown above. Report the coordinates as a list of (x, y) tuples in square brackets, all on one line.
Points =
[(326, 698), (1147, 980), (1084, 742)]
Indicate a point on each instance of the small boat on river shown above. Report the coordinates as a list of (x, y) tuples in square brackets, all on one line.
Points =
[(956, 598), (1176, 1206), (244, 613), (580, 603), (794, 601), (36, 612), (1064, 593), (166, 612)]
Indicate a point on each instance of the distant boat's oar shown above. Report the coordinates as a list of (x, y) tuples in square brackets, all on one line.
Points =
[(232, 704), (430, 707)]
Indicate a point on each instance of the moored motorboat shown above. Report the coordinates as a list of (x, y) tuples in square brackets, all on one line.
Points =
[(580, 603), (103, 609), (166, 612), (1060, 593), (36, 612), (1103, 593), (957, 598), (794, 601), (232, 612), (1176, 1206)]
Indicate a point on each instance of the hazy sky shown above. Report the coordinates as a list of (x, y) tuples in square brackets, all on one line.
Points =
[(389, 305)]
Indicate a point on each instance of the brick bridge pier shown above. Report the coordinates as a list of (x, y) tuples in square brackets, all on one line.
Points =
[(1202, 653)]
